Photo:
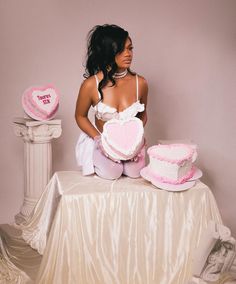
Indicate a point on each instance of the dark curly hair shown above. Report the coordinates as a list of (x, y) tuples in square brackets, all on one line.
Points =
[(104, 43)]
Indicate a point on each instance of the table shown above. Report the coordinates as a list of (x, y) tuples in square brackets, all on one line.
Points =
[(91, 230)]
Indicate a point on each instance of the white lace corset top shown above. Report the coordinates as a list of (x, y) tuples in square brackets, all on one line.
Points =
[(106, 112)]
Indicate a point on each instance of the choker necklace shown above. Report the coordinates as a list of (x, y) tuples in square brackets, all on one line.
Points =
[(120, 74)]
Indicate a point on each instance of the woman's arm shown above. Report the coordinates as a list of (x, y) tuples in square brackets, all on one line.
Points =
[(83, 104), (143, 87)]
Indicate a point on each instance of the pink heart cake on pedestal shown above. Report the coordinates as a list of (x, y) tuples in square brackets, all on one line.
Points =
[(122, 139), (40, 103)]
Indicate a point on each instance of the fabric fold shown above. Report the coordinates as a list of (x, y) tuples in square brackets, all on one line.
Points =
[(96, 231)]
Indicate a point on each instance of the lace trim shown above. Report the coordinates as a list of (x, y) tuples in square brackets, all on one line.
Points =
[(104, 111)]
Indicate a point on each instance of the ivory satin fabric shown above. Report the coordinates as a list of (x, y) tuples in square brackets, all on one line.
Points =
[(19, 263), (90, 230)]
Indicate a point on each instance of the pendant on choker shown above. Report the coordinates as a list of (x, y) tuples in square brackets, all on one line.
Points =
[(120, 74)]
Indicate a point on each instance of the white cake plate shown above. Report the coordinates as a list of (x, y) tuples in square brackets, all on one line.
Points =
[(145, 173), (197, 174)]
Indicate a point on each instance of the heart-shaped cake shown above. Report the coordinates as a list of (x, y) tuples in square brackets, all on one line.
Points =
[(122, 139), (41, 103), (171, 166)]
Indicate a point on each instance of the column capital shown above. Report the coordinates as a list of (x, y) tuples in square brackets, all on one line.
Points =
[(37, 131)]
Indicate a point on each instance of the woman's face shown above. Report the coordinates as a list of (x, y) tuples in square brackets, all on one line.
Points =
[(124, 58)]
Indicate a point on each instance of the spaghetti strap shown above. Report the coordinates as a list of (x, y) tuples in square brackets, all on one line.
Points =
[(97, 83), (137, 87)]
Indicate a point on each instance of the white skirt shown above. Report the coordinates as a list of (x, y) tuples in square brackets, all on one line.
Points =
[(84, 153)]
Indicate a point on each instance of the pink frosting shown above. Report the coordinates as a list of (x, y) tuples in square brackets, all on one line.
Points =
[(181, 180), (127, 156), (152, 152), (123, 138), (38, 112), (33, 109)]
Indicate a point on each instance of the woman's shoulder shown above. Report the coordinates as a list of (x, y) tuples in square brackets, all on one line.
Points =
[(88, 88), (89, 82), (142, 80), (143, 84), (89, 85)]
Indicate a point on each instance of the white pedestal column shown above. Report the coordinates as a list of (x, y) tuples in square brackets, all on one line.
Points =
[(37, 137)]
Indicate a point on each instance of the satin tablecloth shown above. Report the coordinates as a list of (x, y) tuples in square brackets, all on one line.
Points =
[(92, 230)]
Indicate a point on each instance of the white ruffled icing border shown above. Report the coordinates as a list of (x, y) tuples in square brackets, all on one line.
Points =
[(151, 152), (115, 147)]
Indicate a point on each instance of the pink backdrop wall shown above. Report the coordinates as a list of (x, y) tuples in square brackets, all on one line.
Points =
[(185, 49)]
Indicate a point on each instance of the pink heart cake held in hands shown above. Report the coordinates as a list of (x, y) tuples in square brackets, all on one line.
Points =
[(123, 139), (171, 166), (40, 103)]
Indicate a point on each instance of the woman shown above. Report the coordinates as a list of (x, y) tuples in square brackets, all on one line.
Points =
[(113, 91)]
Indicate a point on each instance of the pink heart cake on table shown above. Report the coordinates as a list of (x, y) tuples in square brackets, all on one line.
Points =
[(171, 166), (123, 139), (41, 103)]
